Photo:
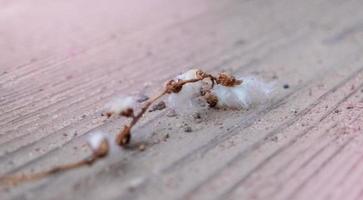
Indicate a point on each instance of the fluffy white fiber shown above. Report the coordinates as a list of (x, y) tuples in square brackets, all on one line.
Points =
[(119, 104), (251, 92), (95, 140), (187, 99)]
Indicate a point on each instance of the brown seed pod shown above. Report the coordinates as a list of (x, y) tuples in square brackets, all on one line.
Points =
[(211, 99), (124, 136), (129, 112), (201, 74), (102, 150), (227, 80), (173, 86)]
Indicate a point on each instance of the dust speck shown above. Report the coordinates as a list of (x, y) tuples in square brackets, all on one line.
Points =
[(188, 129), (160, 106)]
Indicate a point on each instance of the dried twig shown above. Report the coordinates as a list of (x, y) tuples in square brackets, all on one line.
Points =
[(123, 138), (14, 180), (173, 86), (101, 151)]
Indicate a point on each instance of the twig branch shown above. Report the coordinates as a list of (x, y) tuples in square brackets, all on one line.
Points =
[(100, 152), (124, 136), (172, 86), (14, 180)]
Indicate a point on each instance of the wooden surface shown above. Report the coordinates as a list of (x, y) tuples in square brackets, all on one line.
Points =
[(61, 61)]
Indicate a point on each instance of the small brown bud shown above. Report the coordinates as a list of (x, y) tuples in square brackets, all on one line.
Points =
[(227, 80), (124, 136), (99, 145), (129, 112), (211, 99), (173, 87), (200, 74), (102, 150)]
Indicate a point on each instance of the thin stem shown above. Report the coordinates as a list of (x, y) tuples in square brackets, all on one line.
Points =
[(124, 136), (16, 179)]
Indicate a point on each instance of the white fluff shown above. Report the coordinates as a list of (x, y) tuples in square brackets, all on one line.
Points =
[(190, 74), (119, 104), (251, 92), (187, 99), (95, 140)]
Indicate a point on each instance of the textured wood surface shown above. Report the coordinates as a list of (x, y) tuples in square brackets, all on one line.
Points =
[(61, 61)]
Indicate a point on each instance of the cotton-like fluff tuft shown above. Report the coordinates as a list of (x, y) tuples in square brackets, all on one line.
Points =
[(96, 139), (251, 92), (188, 75), (187, 99), (120, 104)]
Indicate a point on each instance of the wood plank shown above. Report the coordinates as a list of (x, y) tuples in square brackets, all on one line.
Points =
[(59, 75)]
